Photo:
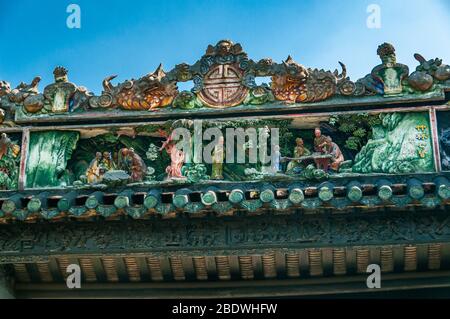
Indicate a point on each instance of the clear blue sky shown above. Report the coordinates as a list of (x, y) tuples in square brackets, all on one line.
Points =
[(130, 38)]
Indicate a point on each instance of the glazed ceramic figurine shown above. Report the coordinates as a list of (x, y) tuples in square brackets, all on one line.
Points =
[(217, 160), (93, 171), (319, 141), (177, 158), (133, 164), (276, 159), (107, 161), (390, 73), (299, 151), (337, 156), (320, 148), (59, 94), (9, 163)]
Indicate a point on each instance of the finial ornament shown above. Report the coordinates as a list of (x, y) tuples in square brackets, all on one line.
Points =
[(390, 73)]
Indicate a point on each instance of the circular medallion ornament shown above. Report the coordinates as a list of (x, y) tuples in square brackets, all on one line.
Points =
[(222, 87)]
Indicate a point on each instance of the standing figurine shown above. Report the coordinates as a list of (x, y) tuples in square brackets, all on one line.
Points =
[(276, 159), (134, 164), (319, 141), (320, 147), (123, 160), (217, 160), (177, 158)]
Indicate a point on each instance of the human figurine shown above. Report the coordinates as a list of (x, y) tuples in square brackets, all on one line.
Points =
[(320, 145), (177, 158), (276, 159), (390, 73), (59, 94), (299, 151), (319, 141), (93, 171), (133, 164), (6, 144), (123, 161), (101, 172), (217, 160), (2, 115), (337, 156), (107, 161)]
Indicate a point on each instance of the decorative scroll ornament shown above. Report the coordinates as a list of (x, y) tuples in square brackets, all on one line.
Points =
[(223, 68)]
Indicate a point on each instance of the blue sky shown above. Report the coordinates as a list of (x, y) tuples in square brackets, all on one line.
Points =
[(130, 38)]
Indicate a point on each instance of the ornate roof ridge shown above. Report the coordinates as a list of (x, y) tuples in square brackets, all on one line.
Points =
[(224, 77)]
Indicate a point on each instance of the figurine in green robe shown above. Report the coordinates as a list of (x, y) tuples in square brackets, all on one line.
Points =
[(299, 151), (217, 160)]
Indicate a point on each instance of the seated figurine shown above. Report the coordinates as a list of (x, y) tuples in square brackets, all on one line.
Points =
[(337, 156), (107, 161), (93, 171), (295, 165)]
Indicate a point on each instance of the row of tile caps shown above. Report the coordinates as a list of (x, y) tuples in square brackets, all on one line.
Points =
[(137, 205)]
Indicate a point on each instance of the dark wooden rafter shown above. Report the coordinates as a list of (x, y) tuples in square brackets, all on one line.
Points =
[(332, 263)]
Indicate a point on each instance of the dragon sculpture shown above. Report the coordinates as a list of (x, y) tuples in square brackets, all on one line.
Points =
[(297, 84), (224, 77), (147, 93)]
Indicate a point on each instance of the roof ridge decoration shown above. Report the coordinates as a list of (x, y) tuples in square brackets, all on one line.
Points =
[(224, 77)]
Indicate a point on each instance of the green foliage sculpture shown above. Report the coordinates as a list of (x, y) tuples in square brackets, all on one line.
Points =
[(400, 144), (48, 156), (9, 164), (356, 127)]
